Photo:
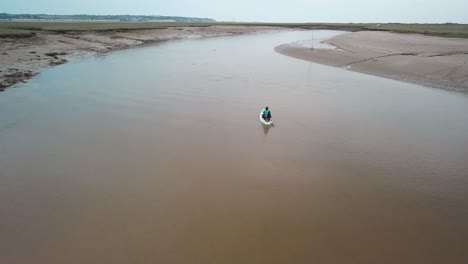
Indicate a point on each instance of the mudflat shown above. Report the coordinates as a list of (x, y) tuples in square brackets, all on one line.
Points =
[(425, 60), (23, 58)]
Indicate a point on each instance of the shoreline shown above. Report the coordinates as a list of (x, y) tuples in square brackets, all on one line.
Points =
[(25, 57), (435, 62), (424, 60)]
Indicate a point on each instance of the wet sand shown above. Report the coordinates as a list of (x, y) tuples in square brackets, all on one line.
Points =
[(23, 58), (430, 61)]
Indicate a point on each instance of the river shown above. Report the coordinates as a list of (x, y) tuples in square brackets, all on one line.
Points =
[(156, 155)]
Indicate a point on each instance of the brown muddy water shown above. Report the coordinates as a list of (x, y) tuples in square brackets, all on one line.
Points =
[(156, 155)]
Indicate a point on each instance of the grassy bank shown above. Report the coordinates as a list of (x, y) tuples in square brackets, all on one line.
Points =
[(70, 27), (26, 29), (441, 30)]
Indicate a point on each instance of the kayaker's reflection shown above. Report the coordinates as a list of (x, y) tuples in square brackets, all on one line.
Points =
[(266, 129)]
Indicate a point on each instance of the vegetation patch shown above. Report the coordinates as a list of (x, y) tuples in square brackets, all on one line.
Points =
[(27, 29)]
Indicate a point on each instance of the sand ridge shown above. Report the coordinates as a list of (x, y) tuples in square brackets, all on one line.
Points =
[(425, 60)]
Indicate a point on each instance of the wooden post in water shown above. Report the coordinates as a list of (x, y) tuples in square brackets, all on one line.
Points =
[(312, 42)]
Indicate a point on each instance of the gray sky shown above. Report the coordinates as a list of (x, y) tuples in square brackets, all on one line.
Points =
[(419, 11)]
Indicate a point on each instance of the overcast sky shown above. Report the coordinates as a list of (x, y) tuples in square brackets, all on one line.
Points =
[(420, 11)]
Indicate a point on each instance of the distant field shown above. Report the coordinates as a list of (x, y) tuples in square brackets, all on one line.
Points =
[(443, 30), (6, 32), (60, 27), (25, 29)]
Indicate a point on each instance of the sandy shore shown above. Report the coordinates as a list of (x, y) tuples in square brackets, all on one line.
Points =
[(429, 61), (22, 58)]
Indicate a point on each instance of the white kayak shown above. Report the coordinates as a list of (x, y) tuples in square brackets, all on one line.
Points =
[(269, 123)]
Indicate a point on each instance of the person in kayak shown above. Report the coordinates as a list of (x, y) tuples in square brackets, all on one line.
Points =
[(266, 115)]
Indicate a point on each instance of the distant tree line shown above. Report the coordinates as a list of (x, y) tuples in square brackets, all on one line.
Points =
[(129, 18)]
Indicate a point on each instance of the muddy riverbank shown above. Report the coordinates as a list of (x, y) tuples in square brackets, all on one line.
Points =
[(23, 58)]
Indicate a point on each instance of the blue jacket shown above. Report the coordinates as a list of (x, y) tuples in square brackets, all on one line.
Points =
[(266, 113)]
